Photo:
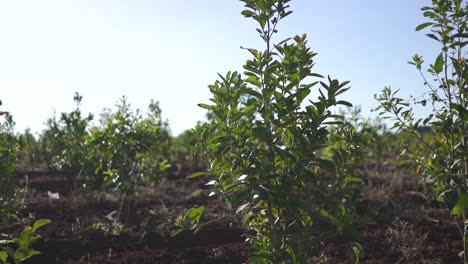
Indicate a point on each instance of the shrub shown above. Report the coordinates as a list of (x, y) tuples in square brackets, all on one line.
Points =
[(65, 140), (127, 151), (263, 148), (442, 155)]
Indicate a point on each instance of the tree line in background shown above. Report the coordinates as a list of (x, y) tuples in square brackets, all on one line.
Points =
[(289, 169)]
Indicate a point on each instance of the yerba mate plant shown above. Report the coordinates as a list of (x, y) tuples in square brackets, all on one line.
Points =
[(263, 146), (65, 141), (442, 156), (126, 148)]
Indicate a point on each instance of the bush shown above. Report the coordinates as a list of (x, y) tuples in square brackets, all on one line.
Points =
[(127, 149), (442, 154), (65, 140), (263, 148)]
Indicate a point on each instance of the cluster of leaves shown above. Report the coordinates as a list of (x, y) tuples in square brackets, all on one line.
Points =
[(263, 146), (352, 143), (365, 143), (10, 199), (441, 155), (128, 150), (23, 244)]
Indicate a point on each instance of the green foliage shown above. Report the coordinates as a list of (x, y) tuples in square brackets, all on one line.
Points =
[(263, 143), (367, 144), (441, 155), (23, 244), (190, 220), (65, 140), (128, 151), (9, 194), (30, 150), (352, 144), (182, 154)]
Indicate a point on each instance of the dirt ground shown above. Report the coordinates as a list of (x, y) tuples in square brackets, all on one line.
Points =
[(403, 226)]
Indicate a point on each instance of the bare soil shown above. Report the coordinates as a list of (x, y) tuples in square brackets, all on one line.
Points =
[(403, 225)]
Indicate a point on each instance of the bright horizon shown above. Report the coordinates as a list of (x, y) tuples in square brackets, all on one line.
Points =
[(170, 51)]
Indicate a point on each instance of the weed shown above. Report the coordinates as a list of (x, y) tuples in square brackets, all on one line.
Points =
[(406, 240)]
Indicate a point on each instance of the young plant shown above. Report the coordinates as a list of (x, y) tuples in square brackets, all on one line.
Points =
[(263, 143), (442, 154), (23, 244), (367, 143), (9, 194), (127, 150), (65, 139), (352, 142)]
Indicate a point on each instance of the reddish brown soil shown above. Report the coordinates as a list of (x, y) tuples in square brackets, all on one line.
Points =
[(70, 237)]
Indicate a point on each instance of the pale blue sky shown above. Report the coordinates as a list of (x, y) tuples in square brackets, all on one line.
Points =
[(171, 50)]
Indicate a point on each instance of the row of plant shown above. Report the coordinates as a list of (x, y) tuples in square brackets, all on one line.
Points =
[(125, 150)]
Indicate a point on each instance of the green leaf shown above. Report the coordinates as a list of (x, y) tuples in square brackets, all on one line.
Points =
[(205, 106), (342, 209), (3, 257), (423, 26), (40, 223), (353, 179), (353, 251), (439, 64), (262, 133), (21, 254), (345, 103), (461, 206), (247, 13), (249, 109), (254, 80), (432, 36), (178, 231), (247, 217), (252, 92), (195, 214), (196, 175), (429, 14)]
